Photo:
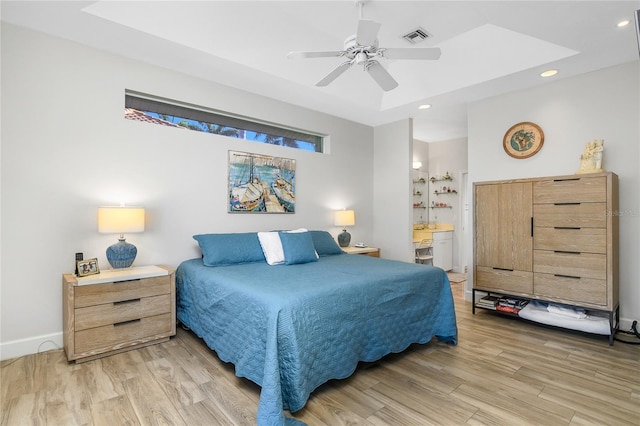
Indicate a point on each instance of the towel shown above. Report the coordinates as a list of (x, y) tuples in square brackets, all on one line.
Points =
[(577, 313)]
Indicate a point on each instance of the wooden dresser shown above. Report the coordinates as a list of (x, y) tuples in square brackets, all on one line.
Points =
[(117, 310), (552, 239), (365, 251)]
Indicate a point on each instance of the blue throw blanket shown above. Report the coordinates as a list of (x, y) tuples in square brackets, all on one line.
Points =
[(291, 328)]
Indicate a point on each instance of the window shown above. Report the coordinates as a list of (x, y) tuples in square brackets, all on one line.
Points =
[(171, 113)]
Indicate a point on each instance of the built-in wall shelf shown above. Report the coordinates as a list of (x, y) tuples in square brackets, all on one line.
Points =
[(446, 177), (453, 191)]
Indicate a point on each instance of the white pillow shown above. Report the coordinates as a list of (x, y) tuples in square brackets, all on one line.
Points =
[(271, 247)]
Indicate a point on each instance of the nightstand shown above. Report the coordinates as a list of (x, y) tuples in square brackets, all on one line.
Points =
[(117, 310), (367, 251)]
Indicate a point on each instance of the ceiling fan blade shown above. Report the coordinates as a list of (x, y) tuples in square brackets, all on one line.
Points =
[(381, 76), (431, 53), (334, 74), (367, 32), (302, 55)]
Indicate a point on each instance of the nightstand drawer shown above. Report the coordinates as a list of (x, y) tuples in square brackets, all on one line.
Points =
[(98, 294), (568, 190), (584, 265), (587, 240), (111, 313), (122, 334)]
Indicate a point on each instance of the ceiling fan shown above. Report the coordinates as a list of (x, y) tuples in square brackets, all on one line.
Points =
[(362, 49)]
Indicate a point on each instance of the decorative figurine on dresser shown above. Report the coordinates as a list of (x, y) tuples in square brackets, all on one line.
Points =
[(591, 158)]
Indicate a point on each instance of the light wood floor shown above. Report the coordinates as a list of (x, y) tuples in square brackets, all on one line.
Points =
[(504, 371)]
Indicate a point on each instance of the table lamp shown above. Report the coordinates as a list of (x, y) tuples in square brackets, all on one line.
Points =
[(121, 220), (344, 218)]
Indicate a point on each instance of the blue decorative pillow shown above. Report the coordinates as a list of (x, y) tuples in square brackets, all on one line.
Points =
[(230, 249), (325, 244), (298, 248)]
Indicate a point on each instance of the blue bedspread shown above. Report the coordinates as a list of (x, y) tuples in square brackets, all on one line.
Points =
[(291, 328)]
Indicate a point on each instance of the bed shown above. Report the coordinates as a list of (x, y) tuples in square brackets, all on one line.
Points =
[(292, 325)]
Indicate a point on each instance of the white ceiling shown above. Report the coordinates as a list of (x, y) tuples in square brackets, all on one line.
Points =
[(488, 47)]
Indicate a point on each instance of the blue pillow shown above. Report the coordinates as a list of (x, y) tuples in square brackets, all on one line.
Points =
[(230, 249), (325, 244), (298, 247)]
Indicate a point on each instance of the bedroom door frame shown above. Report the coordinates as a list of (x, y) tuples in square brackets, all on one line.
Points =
[(463, 222)]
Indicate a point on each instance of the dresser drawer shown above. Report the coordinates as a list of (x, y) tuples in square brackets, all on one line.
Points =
[(503, 280), (584, 240), (573, 290), (122, 334), (568, 190), (584, 265), (97, 294), (581, 215), (111, 313)]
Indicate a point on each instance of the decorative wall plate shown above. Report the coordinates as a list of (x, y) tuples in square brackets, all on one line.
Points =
[(523, 140)]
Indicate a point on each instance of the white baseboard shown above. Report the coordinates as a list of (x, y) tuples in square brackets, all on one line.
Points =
[(32, 345), (625, 324)]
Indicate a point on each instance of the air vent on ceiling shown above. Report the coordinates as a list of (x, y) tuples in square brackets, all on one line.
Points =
[(416, 36)]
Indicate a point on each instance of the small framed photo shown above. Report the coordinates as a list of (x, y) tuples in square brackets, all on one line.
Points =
[(88, 267)]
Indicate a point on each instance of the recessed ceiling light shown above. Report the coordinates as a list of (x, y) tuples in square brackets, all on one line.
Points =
[(623, 23), (424, 106), (548, 73)]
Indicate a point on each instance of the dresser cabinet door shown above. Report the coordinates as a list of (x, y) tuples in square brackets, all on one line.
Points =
[(503, 237)]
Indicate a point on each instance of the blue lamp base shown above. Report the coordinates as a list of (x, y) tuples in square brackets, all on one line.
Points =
[(121, 254), (344, 238)]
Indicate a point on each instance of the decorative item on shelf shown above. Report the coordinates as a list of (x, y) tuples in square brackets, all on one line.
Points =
[(591, 158), (523, 140), (446, 176), (421, 180), (445, 190), (121, 220), (418, 205), (344, 218)]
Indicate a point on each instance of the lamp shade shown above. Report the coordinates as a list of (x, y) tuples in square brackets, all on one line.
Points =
[(345, 218), (120, 220)]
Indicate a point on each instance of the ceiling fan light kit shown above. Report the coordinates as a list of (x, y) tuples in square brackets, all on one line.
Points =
[(362, 49)]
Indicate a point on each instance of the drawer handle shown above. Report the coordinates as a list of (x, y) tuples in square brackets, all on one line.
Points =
[(566, 204), (122, 302), (567, 227), (563, 180), (118, 324), (127, 281), (566, 276), (503, 269), (566, 252)]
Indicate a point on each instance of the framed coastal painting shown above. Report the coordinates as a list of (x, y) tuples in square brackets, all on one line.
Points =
[(261, 183)]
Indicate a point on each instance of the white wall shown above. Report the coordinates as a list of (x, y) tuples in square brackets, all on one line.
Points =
[(393, 146), (66, 149), (599, 105)]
